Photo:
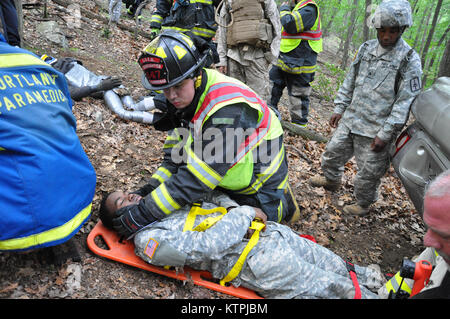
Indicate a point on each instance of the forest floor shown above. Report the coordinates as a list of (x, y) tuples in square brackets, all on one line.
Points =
[(125, 154)]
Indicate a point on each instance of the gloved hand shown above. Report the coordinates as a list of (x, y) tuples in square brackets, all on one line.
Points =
[(132, 218), (147, 189), (154, 33), (109, 83)]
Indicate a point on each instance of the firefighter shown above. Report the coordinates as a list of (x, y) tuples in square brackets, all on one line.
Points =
[(47, 182), (196, 16), (248, 41), (372, 106), (301, 42), (222, 135)]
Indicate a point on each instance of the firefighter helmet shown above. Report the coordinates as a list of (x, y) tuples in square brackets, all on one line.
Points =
[(393, 13), (169, 59)]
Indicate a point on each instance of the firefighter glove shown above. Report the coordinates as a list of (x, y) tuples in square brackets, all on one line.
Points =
[(132, 218)]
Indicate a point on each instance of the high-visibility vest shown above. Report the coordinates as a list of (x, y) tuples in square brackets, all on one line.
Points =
[(220, 92), (313, 36), (47, 182)]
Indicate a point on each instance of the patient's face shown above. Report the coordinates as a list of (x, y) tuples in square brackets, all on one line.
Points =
[(119, 199)]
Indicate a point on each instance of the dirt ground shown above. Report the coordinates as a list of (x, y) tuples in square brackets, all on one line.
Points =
[(125, 154)]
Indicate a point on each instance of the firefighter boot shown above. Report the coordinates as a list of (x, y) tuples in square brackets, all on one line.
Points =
[(322, 181), (356, 210)]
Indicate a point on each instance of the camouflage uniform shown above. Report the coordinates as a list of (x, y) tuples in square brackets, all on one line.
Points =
[(281, 265), (371, 106), (247, 63)]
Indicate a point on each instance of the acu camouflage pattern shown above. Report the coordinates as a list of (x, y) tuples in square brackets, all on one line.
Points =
[(371, 106), (281, 265), (392, 13), (371, 165)]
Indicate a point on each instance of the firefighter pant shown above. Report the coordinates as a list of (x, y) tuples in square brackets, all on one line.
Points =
[(299, 91), (371, 166)]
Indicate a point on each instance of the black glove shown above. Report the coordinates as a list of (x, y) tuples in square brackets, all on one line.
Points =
[(108, 84), (132, 218)]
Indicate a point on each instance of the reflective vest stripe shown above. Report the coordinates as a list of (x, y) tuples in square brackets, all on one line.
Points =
[(164, 200), (284, 183), (268, 172), (233, 93), (298, 20), (394, 284), (296, 70), (162, 174), (202, 32), (156, 18), (201, 170), (20, 59), (47, 236)]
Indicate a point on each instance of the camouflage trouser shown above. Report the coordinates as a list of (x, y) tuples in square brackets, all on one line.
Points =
[(371, 166), (115, 7), (255, 75)]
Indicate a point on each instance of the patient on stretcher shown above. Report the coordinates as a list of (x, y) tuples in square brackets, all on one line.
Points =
[(274, 261)]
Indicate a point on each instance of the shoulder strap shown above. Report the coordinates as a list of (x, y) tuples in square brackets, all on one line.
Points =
[(400, 70)]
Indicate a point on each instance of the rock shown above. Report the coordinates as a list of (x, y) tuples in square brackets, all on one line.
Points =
[(52, 32)]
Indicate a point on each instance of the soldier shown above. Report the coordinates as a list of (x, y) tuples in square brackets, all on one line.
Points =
[(373, 102), (281, 264), (301, 41), (248, 41)]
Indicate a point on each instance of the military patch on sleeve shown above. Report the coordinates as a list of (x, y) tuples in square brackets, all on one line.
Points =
[(151, 247), (415, 84)]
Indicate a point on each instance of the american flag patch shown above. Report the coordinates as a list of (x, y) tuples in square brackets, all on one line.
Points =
[(151, 247)]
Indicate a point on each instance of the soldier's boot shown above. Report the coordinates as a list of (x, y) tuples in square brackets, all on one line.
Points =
[(356, 210), (322, 181)]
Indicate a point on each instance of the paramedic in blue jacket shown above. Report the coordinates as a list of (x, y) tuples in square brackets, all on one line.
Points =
[(47, 182)]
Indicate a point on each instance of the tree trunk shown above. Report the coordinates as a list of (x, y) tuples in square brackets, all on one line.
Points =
[(431, 63), (303, 132), (18, 4), (349, 35), (366, 17), (430, 34), (444, 68)]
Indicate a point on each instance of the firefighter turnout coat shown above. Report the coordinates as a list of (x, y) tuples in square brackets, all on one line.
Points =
[(227, 139)]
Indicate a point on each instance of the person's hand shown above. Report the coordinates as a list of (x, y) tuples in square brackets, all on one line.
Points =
[(259, 216), (222, 69), (108, 84), (377, 144), (334, 120), (154, 33), (132, 218)]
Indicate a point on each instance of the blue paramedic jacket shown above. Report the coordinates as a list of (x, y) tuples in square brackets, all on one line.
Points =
[(47, 182)]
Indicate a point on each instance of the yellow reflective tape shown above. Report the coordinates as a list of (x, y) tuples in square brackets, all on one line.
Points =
[(181, 52), (236, 269), (162, 190), (162, 174), (19, 59), (48, 236), (2, 149), (211, 179), (161, 53)]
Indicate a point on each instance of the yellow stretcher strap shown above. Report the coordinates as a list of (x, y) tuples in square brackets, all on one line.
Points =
[(257, 226), (205, 224)]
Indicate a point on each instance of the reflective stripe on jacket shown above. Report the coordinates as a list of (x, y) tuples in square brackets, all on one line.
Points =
[(290, 41), (244, 172), (46, 180)]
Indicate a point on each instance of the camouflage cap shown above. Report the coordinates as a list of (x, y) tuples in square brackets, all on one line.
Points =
[(392, 13)]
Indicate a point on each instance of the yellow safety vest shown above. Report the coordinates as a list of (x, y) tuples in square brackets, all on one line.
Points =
[(313, 36)]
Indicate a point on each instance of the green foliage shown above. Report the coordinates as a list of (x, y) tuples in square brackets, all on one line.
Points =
[(328, 80)]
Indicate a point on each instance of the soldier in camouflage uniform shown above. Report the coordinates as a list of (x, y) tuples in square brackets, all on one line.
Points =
[(281, 264), (372, 106), (249, 61)]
